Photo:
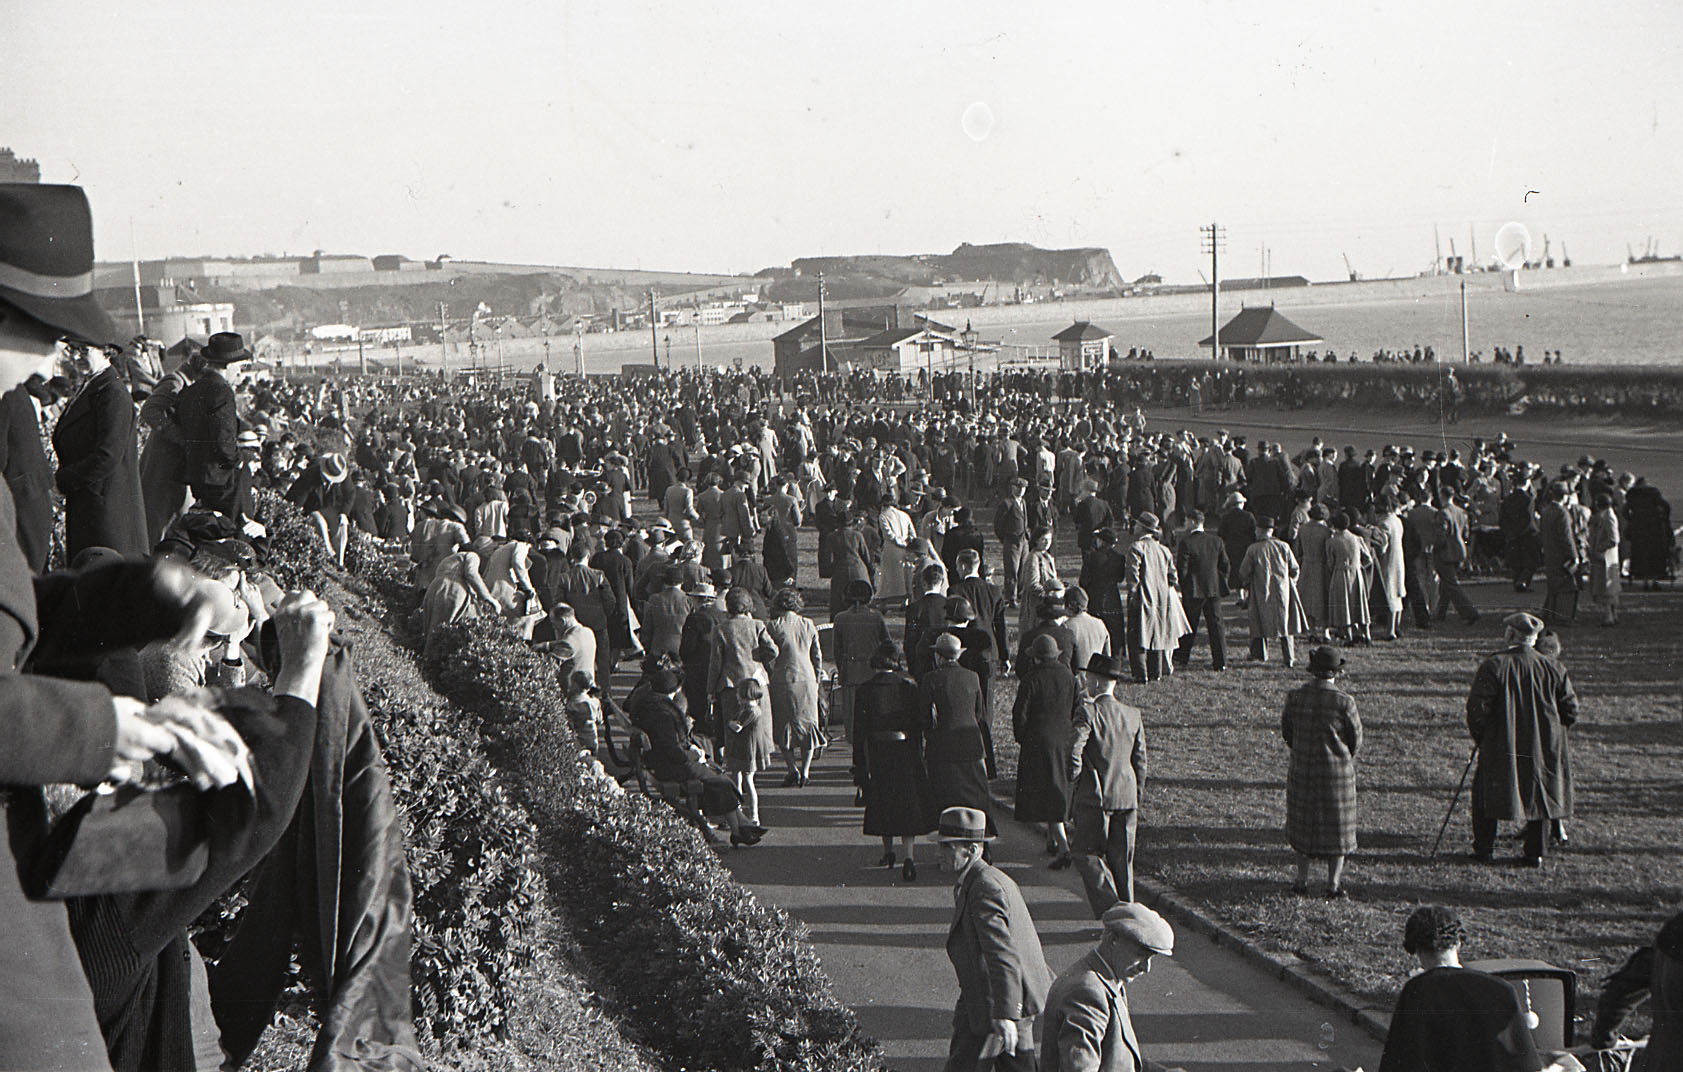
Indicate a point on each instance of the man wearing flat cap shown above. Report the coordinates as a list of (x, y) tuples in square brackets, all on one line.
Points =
[(995, 952), (1518, 710), (1086, 1027)]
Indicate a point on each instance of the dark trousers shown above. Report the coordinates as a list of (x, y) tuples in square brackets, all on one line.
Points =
[(1014, 551), (1417, 582), (1104, 854), (1560, 604), (964, 1052), (1484, 837), (1209, 609), (1449, 593)]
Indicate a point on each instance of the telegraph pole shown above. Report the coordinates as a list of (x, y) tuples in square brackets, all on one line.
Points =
[(1466, 354), (443, 344), (654, 333), (823, 337), (699, 369), (1214, 238)]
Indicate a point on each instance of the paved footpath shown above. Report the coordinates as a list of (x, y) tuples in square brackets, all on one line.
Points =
[(883, 944)]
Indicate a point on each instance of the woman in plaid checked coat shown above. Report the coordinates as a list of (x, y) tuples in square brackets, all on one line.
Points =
[(1324, 732)]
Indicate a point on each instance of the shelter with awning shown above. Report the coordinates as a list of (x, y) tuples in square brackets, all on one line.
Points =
[(1262, 333)]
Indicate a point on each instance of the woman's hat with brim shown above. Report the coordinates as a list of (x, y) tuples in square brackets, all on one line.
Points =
[(47, 260), (1044, 646), (962, 824)]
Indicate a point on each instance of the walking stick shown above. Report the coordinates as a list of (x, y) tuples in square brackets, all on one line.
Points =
[(1462, 784)]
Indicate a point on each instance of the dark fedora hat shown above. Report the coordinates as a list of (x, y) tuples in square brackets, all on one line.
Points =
[(224, 348), (1325, 660), (1106, 666), (47, 260)]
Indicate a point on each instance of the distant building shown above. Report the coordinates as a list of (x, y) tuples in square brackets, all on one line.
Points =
[(1261, 334), (397, 262), (14, 168), (906, 351), (171, 313), (334, 264), (396, 333), (1083, 345)]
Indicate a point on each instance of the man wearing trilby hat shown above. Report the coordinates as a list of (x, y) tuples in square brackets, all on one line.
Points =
[(208, 417), (1086, 1024), (995, 951), (63, 731)]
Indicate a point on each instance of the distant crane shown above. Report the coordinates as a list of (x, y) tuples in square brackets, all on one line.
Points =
[(1565, 257), (1350, 268)]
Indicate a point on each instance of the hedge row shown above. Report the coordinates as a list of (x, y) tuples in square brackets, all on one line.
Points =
[(489, 987), (720, 980)]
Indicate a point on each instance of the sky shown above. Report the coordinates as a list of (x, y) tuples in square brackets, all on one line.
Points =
[(733, 137)]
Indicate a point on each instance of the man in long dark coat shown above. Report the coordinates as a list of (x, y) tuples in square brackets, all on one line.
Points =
[(1518, 710), (210, 428), (28, 475), (98, 471)]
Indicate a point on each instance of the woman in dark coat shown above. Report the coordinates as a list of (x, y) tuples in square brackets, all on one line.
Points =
[(1650, 533), (1324, 732), (1043, 719), (888, 758)]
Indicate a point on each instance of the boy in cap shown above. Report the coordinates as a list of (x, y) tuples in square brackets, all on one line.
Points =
[(1086, 1024), (995, 952)]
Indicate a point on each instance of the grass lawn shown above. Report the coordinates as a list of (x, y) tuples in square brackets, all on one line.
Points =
[(1213, 821)]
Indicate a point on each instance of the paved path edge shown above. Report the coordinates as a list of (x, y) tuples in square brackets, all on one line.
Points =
[(1290, 969)]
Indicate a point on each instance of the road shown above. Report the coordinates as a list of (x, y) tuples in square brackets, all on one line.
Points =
[(882, 942)]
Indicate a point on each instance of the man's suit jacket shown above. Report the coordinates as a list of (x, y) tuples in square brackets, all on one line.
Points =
[(957, 539), (995, 950), (1107, 759), (1203, 565), (925, 617), (98, 470), (210, 427), (989, 604), (1010, 520), (1086, 1025), (28, 475)]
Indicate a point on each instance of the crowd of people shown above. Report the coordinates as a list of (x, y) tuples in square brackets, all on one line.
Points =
[(200, 704), (935, 522)]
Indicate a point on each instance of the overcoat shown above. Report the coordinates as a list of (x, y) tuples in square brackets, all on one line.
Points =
[(1154, 604), (1518, 709), (1348, 561), (1313, 585), (794, 680), (887, 734), (98, 470), (1324, 732), (1043, 718), (1087, 1026), (995, 951), (1269, 571), (209, 419), (28, 476), (950, 703)]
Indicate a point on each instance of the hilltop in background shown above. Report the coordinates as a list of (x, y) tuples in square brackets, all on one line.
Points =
[(287, 297)]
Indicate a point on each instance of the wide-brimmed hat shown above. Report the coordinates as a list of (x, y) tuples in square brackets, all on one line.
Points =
[(1325, 659), (250, 440), (1103, 665), (224, 348), (1524, 623), (333, 467), (1044, 646), (47, 260), (1233, 499), (962, 824), (1144, 926), (1149, 522), (704, 589)]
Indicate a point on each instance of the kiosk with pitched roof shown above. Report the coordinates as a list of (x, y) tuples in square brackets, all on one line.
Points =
[(1083, 345), (1262, 334)]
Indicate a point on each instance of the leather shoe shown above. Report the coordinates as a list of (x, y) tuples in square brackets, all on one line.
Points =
[(1064, 860), (908, 871), (745, 838), (887, 860), (1531, 862)]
